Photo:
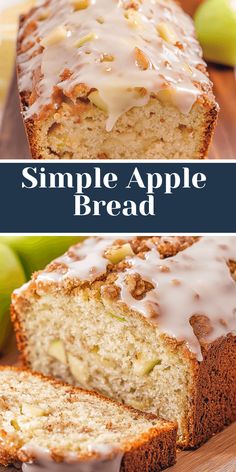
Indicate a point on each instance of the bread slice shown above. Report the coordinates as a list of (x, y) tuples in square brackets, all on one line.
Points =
[(147, 321), (44, 421), (114, 80)]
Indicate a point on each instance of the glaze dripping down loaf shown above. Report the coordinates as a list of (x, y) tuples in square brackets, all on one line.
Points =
[(148, 321), (114, 79)]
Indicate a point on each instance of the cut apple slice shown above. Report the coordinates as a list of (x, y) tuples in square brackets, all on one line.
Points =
[(167, 33), (95, 99), (15, 425), (55, 36), (144, 366), (133, 18), (85, 39), (116, 317), (57, 351), (167, 96), (118, 254), (32, 411), (78, 370), (80, 4)]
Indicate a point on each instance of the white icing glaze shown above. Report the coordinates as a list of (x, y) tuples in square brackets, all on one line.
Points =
[(233, 4), (90, 263), (195, 281), (104, 463), (21, 289), (170, 65)]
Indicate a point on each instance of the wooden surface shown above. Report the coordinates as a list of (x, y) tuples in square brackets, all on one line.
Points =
[(217, 455), (13, 143)]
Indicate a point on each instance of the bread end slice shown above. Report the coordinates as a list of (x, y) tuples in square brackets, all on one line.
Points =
[(44, 421)]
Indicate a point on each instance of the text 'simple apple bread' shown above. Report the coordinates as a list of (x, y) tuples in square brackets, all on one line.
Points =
[(148, 321), (114, 79)]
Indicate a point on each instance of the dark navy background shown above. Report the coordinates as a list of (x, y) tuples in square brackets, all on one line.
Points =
[(211, 209)]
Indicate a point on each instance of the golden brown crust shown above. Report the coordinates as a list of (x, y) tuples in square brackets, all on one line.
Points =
[(214, 395), (153, 451), (28, 124), (157, 456), (20, 337), (210, 125)]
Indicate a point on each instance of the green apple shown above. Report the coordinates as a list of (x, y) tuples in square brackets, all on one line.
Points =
[(215, 22), (35, 252), (12, 276)]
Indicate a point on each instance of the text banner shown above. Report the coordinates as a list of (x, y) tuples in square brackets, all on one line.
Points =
[(113, 197)]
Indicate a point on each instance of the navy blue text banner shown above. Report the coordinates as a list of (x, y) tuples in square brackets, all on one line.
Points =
[(114, 197)]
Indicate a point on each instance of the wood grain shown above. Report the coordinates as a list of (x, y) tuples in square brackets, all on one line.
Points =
[(217, 455), (14, 145)]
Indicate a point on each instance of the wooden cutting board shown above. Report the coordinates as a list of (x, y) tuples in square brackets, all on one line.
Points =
[(13, 143), (217, 455)]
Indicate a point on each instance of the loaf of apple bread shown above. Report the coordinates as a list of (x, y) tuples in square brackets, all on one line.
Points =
[(52, 426), (147, 321), (114, 79)]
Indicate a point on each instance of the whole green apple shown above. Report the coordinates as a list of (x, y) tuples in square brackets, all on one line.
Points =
[(215, 22), (35, 252), (12, 276)]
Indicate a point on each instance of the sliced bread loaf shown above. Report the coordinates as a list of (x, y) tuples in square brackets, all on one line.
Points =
[(44, 423), (148, 321), (114, 79)]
